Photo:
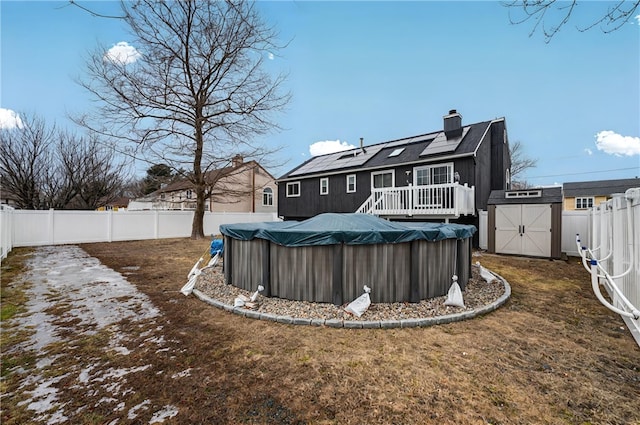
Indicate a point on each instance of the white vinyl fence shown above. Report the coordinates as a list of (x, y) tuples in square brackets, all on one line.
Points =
[(53, 227), (612, 248), (6, 230)]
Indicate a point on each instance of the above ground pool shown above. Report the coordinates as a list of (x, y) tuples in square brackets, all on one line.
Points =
[(330, 257)]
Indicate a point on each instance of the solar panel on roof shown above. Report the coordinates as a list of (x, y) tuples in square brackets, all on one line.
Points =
[(335, 161), (441, 145)]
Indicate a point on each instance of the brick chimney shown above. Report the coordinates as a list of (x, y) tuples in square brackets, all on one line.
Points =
[(452, 124), (237, 160)]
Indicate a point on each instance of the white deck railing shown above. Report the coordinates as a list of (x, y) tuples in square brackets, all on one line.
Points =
[(612, 255), (440, 200)]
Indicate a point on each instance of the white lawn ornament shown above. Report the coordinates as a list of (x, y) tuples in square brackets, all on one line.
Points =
[(361, 304), (454, 297)]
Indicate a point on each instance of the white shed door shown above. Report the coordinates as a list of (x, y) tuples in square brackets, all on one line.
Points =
[(508, 224), (523, 229)]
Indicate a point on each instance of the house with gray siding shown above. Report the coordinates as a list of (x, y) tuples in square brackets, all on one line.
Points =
[(443, 175)]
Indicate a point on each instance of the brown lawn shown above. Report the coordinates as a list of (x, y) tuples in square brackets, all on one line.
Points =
[(551, 355)]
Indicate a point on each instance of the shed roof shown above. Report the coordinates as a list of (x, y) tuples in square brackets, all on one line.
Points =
[(545, 195), (599, 187)]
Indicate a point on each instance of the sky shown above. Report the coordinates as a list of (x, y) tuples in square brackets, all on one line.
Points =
[(383, 71)]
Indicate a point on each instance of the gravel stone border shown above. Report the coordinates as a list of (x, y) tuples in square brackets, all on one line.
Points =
[(486, 298)]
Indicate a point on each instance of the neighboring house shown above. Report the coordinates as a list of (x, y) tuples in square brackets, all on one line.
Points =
[(443, 175), (242, 187), (584, 195), (8, 198), (118, 204)]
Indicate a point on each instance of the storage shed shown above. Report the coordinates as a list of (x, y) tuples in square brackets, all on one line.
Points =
[(525, 222)]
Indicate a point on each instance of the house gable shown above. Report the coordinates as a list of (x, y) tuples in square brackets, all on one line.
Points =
[(470, 153)]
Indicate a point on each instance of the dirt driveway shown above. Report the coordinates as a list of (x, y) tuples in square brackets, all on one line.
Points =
[(109, 350)]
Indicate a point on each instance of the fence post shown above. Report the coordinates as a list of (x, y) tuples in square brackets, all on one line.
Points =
[(110, 226), (51, 224), (156, 224)]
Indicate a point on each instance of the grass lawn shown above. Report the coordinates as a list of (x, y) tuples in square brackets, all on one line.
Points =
[(551, 355)]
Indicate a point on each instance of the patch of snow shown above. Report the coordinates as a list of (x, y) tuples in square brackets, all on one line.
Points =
[(71, 294), (182, 374), (133, 412), (44, 396), (122, 350), (167, 412)]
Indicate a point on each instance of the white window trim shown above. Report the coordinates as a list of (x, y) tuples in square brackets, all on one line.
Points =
[(583, 199), (437, 165), (393, 176), (293, 184), (270, 197), (324, 179), (354, 183)]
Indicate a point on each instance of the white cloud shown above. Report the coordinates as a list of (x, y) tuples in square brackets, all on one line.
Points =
[(328, 146), (588, 151), (613, 143), (122, 53), (271, 56), (637, 18), (9, 119)]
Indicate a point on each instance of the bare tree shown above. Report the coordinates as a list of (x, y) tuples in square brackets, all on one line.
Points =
[(519, 163), (26, 161), (549, 16), (198, 94), (43, 167), (94, 172)]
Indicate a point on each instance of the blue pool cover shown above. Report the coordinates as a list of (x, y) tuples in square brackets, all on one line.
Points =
[(350, 229)]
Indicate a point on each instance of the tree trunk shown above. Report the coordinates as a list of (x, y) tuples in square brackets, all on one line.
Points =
[(197, 227)]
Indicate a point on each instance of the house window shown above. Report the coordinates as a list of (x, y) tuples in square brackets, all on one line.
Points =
[(324, 186), (382, 179), (433, 174), (189, 194), (293, 189), (351, 183), (584, 203), (267, 197), (507, 179)]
